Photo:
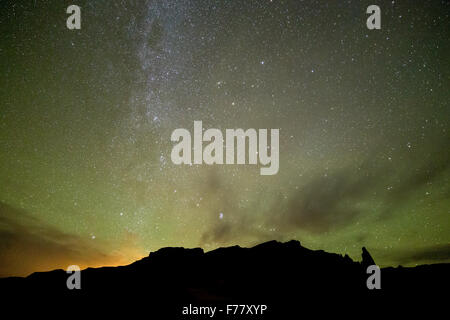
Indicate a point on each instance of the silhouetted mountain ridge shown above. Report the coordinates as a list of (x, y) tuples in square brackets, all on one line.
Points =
[(273, 273)]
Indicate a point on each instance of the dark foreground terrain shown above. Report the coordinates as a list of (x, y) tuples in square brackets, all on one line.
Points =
[(290, 280)]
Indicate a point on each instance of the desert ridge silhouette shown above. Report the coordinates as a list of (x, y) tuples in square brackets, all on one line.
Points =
[(286, 277)]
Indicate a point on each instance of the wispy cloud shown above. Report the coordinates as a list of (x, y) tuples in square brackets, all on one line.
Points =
[(27, 245)]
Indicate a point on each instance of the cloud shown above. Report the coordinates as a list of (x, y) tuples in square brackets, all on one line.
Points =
[(336, 200), (327, 201), (28, 245), (227, 232), (416, 178), (433, 254), (323, 203), (236, 222)]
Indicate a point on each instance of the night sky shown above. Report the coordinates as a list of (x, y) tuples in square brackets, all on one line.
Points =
[(86, 116)]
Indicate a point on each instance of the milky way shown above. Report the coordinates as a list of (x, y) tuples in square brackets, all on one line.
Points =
[(86, 117)]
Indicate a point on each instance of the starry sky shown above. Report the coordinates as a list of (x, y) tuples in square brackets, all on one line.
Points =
[(86, 116)]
